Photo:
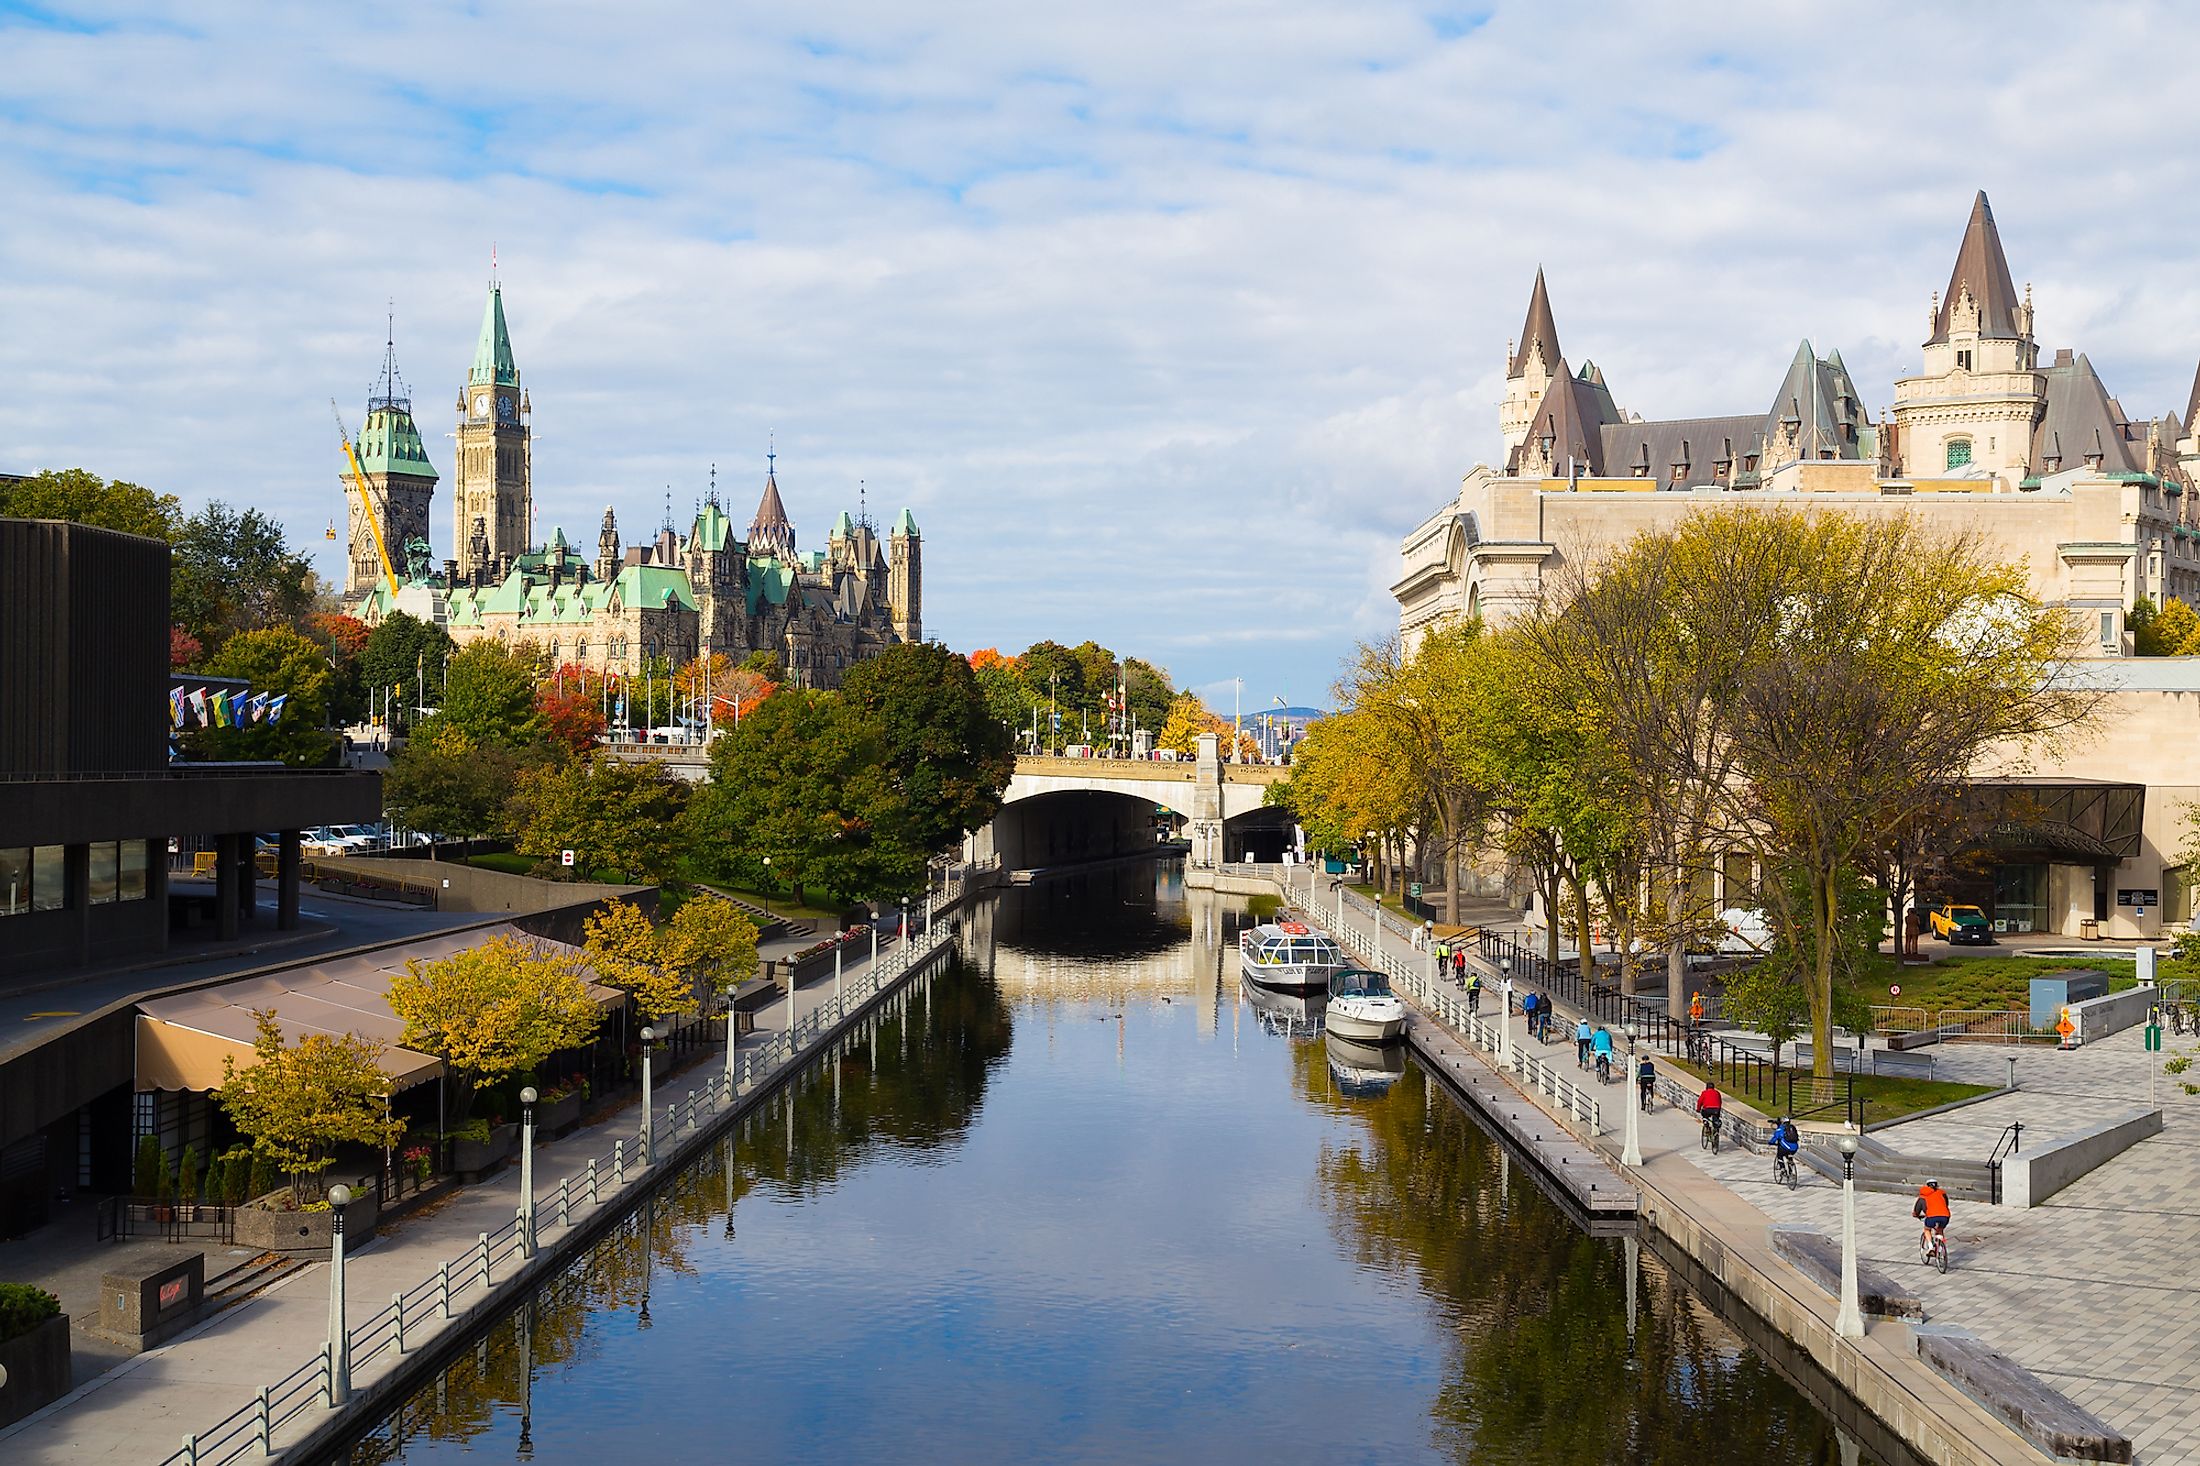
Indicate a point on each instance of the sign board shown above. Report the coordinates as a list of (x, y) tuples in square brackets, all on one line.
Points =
[(2154, 1038), (565, 857), (2146, 966), (2150, 897), (1414, 890)]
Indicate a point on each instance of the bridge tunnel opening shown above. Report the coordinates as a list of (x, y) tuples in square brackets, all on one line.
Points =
[(1074, 827), (1259, 835)]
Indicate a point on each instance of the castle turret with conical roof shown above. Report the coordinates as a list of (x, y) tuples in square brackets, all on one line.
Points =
[(1531, 365), (771, 532)]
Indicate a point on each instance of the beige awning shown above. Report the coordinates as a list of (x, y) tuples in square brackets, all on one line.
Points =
[(183, 1041)]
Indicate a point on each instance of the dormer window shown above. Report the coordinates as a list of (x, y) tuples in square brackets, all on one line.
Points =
[(1959, 453), (1963, 361)]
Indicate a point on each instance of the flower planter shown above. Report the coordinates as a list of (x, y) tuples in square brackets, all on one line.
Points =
[(36, 1368), (304, 1233), (473, 1159), (559, 1115)]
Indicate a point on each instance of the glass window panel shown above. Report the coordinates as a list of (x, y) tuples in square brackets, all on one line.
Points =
[(15, 880), (106, 870), (137, 856), (48, 882), (2176, 894), (1738, 878)]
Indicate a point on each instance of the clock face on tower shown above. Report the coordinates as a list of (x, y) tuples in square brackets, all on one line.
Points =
[(504, 409), (481, 404)]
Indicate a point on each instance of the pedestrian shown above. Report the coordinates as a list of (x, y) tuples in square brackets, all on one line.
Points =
[(1646, 1080), (1581, 1044), (1508, 989)]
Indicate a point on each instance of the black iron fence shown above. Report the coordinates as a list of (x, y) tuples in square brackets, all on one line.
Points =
[(124, 1217)]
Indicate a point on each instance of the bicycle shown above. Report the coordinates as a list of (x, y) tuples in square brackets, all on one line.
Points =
[(1710, 1137), (1932, 1249), (1783, 1170), (1699, 1047), (1604, 1068)]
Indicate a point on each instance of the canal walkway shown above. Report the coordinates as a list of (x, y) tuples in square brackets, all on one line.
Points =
[(2092, 1291), (148, 1406)]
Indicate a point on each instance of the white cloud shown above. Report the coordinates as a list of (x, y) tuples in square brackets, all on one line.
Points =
[(1166, 319)]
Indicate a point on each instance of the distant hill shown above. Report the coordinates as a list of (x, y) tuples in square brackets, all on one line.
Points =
[(1291, 715)]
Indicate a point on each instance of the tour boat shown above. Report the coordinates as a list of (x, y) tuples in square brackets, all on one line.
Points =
[(1288, 954), (1362, 1007), (1363, 1070), (1295, 1016)]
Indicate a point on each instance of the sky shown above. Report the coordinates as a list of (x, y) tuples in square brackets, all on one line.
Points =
[(1166, 320)]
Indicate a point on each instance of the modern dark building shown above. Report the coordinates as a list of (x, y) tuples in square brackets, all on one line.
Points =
[(89, 805)]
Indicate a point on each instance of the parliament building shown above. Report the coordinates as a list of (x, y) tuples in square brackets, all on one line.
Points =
[(714, 589)]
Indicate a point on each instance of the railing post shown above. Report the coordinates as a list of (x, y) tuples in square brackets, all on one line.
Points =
[(443, 1289), (484, 1259), (591, 1180), (397, 1306), (191, 1450), (618, 1160), (263, 1417), (565, 1201)]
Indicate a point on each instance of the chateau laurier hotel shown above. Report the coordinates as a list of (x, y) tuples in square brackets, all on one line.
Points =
[(675, 596), (1987, 434)]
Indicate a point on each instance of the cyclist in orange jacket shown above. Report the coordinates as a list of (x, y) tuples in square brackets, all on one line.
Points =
[(1932, 1208)]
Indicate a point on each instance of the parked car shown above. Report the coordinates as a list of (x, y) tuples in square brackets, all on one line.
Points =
[(1952, 923)]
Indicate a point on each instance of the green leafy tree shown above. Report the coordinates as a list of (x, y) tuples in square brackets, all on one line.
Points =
[(622, 815), (946, 756), (2173, 631), (711, 941), (149, 1172), (1149, 692), (236, 572), (803, 781), (489, 693), (298, 1102), (1007, 699), (81, 497), (443, 782), (277, 662), (1055, 674), (623, 947), (403, 659), (494, 1010), (769, 665)]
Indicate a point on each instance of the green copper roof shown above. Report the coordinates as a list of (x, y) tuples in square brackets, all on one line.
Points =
[(390, 443), (712, 529), (493, 356), (843, 526), (768, 581), (906, 524), (655, 586)]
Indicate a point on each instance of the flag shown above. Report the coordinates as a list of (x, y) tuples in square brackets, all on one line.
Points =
[(256, 709), (198, 706), (217, 715), (275, 708), (175, 707)]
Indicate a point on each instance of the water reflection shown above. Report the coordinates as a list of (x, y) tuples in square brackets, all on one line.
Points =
[(1049, 1207)]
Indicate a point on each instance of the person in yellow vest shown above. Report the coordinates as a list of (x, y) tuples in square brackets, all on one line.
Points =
[(2066, 1028)]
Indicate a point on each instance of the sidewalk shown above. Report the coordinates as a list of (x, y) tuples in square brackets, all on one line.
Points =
[(2094, 1291), (142, 1410)]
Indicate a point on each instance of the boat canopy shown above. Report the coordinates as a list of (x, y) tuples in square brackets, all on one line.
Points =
[(1359, 985), (1273, 946)]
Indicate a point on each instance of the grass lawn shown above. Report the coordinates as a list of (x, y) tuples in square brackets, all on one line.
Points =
[(780, 904), (1883, 1096), (510, 862), (1981, 982)]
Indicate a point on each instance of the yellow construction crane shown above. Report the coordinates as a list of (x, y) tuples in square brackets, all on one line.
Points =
[(366, 504)]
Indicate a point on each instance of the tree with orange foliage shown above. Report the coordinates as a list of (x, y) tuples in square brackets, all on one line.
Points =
[(986, 656), (570, 718)]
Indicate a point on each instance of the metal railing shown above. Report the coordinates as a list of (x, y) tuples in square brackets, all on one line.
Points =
[(603, 1181), (123, 1217)]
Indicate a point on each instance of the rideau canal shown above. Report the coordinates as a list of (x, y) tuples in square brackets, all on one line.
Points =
[(1086, 1200)]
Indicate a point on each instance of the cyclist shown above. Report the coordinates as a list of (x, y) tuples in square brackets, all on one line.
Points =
[(1711, 1108), (1786, 1141), (1601, 1045), (1932, 1209), (1527, 1011), (1581, 1044), (1646, 1080), (1474, 992)]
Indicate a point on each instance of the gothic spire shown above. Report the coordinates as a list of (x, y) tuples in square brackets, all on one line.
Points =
[(1539, 334), (771, 532), (1984, 271), (493, 354)]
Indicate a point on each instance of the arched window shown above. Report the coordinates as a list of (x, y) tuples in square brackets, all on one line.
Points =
[(1959, 453)]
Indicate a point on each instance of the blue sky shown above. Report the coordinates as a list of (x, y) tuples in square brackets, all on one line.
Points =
[(1165, 319)]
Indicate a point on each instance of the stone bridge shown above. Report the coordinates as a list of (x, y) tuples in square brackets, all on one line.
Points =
[(1062, 811)]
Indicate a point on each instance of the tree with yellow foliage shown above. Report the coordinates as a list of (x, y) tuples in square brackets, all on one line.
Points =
[(494, 1010), (298, 1102)]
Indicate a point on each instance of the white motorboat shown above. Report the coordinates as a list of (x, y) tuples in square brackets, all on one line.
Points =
[(1362, 1007), (1288, 954), (1363, 1070)]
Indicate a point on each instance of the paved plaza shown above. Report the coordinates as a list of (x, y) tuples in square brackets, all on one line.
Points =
[(2095, 1291)]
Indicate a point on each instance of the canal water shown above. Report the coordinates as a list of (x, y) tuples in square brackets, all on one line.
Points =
[(1084, 1201)]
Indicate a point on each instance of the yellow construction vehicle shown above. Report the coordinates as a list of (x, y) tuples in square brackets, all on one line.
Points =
[(366, 504)]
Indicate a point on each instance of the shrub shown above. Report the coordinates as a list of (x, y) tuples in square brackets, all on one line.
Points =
[(187, 1176), (236, 1184), (265, 1176), (151, 1171), (23, 1307)]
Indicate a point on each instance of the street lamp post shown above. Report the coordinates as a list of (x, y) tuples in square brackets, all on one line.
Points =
[(527, 1171), (1850, 1321), (1631, 1153), (339, 1338), (767, 888), (1505, 1019), (649, 1124)]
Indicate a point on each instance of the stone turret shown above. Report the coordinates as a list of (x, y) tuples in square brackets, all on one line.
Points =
[(905, 578), (608, 553)]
